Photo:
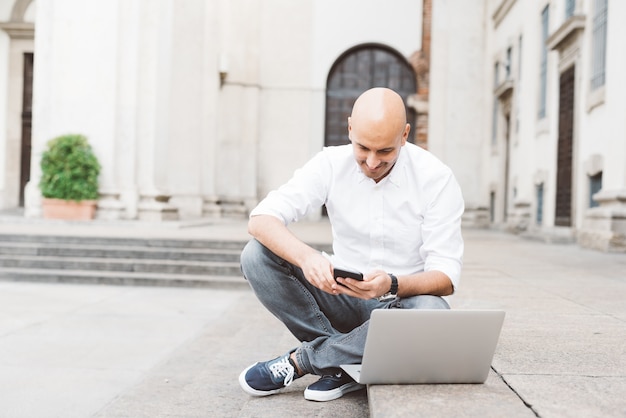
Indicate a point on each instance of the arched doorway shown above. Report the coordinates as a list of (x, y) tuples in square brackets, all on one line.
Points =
[(16, 140), (357, 70)]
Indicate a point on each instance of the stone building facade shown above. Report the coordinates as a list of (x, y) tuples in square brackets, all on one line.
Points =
[(195, 108), (198, 108), (539, 122)]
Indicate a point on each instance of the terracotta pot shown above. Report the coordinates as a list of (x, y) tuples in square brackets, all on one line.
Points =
[(83, 210)]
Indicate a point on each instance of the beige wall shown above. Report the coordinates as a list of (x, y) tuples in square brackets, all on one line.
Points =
[(458, 131), (142, 80), (599, 130), (16, 38)]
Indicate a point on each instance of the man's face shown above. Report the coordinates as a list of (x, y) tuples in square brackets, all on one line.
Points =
[(376, 154)]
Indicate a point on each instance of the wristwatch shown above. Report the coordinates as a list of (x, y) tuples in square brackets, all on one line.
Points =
[(393, 290)]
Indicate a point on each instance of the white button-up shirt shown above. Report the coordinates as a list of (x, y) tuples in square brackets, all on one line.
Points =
[(408, 222)]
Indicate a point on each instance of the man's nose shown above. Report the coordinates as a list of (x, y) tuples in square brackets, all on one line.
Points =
[(372, 160)]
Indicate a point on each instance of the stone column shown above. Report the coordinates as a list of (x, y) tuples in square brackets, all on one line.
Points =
[(120, 199), (74, 84), (153, 107), (454, 134), (238, 125), (215, 65), (21, 35)]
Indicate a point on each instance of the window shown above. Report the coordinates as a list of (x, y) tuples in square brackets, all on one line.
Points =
[(494, 122), (595, 184), (519, 84), (570, 7), (539, 212), (496, 78), (543, 73), (519, 59), (598, 44), (492, 206), (507, 65)]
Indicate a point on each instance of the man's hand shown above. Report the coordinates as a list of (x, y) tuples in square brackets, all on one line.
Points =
[(319, 272), (374, 284)]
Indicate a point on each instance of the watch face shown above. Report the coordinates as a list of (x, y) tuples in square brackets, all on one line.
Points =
[(386, 297)]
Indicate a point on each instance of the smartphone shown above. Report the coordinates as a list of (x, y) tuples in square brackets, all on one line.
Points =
[(345, 273)]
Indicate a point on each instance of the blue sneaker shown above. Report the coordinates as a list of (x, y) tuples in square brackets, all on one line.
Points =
[(268, 377), (330, 387)]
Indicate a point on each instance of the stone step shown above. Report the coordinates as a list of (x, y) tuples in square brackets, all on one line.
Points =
[(118, 251), (120, 278), (121, 260), (123, 241), (172, 243), (163, 266)]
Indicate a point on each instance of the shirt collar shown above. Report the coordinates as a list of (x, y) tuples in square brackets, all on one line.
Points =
[(358, 173), (396, 175)]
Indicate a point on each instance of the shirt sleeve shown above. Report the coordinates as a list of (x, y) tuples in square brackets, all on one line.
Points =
[(305, 191), (441, 231)]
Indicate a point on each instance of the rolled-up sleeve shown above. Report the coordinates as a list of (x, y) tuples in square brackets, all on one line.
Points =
[(441, 230), (304, 192)]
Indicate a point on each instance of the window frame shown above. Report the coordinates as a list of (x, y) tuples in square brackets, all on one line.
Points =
[(598, 44), (543, 70)]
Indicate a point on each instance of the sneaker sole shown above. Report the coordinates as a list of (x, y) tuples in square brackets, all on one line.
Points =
[(249, 389), (331, 395)]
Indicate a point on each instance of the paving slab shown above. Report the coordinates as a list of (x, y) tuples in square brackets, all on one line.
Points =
[(561, 349), (123, 351), (200, 378), (74, 348), (494, 399), (571, 395)]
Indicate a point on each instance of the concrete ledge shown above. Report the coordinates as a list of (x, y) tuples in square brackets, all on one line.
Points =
[(472, 400)]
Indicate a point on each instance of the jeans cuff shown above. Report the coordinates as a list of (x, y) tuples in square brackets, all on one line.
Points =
[(303, 363)]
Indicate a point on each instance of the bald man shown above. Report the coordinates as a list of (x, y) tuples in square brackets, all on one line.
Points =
[(395, 212)]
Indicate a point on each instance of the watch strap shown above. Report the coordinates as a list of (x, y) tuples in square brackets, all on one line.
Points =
[(394, 284), (393, 290)]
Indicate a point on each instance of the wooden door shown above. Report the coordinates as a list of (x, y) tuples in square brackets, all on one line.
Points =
[(563, 216), (354, 72), (27, 112), (507, 165)]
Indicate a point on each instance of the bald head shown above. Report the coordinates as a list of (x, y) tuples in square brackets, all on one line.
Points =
[(380, 108), (378, 129)]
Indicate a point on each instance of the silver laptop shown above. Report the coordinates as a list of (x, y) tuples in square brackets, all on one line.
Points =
[(409, 346)]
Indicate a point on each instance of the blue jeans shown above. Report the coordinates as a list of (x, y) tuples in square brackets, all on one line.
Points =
[(331, 328)]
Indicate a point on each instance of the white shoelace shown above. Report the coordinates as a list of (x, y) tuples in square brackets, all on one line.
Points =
[(283, 368)]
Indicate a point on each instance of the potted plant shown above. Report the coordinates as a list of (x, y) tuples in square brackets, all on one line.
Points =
[(69, 179)]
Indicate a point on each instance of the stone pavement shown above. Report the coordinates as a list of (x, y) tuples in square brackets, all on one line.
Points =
[(110, 351)]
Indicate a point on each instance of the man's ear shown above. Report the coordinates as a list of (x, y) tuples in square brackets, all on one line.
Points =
[(405, 135), (349, 127)]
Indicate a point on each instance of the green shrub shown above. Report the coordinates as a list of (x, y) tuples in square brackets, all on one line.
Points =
[(69, 169)]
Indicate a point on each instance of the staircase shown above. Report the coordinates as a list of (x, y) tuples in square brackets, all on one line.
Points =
[(121, 261)]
